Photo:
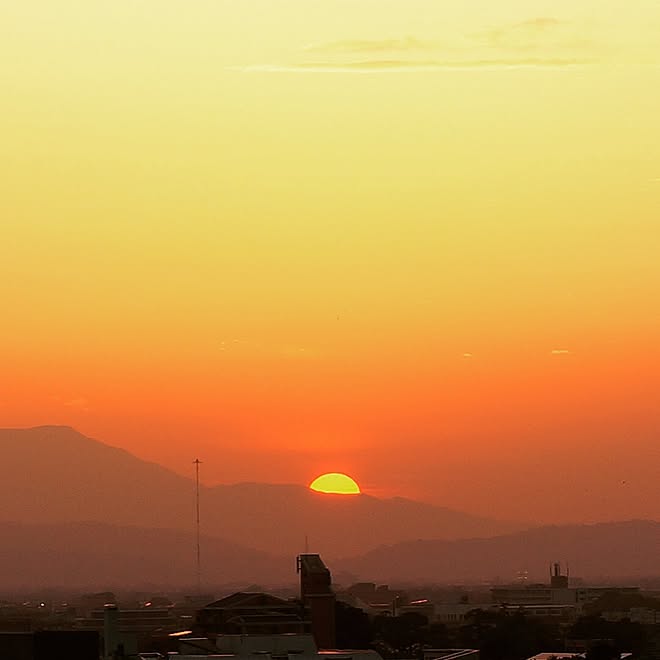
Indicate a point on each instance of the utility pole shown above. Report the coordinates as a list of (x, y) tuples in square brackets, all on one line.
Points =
[(197, 463)]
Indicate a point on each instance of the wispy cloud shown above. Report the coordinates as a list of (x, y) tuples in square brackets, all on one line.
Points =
[(540, 42), (560, 351), (406, 44), (399, 66), (532, 27), (78, 403), (240, 348), (534, 34)]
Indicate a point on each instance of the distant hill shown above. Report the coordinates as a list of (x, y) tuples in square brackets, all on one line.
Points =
[(279, 517), (54, 474), (93, 555), (604, 550)]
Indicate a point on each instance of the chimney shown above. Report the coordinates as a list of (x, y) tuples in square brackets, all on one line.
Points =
[(317, 595), (557, 580)]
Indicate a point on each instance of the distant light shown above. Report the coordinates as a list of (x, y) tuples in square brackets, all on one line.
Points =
[(180, 634)]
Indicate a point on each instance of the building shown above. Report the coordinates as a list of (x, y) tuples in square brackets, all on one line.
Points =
[(569, 656), (375, 599), (143, 620), (49, 645), (318, 597), (264, 647), (558, 592), (455, 614), (88, 603), (451, 654), (256, 613), (252, 613), (126, 631), (540, 594), (551, 612), (647, 616)]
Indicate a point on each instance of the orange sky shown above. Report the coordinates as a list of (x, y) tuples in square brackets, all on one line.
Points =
[(413, 243)]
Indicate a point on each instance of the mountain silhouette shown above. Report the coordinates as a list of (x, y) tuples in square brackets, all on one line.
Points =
[(100, 556), (94, 555), (76, 511), (601, 551), (53, 474)]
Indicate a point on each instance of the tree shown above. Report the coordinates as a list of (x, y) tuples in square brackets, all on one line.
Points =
[(352, 626), (399, 636)]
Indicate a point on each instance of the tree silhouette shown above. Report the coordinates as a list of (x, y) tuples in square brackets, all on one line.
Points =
[(353, 627)]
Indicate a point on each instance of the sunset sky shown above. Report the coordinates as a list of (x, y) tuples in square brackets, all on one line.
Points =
[(416, 241)]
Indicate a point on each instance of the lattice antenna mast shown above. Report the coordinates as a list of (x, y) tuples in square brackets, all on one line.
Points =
[(198, 551)]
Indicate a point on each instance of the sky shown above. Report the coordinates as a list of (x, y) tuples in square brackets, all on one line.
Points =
[(414, 241)]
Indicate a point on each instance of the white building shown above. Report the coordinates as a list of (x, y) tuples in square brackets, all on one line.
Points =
[(644, 615), (292, 646), (451, 654)]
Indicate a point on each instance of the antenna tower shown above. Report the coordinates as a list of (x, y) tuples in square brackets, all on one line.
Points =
[(197, 463)]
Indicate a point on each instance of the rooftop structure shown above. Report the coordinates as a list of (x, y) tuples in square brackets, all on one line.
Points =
[(252, 613), (569, 656), (451, 654), (265, 647), (558, 592)]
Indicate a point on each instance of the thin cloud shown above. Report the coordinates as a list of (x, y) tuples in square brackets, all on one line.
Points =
[(541, 23), (405, 44), (79, 403), (540, 42), (560, 351), (522, 35), (538, 25), (240, 348), (400, 66)]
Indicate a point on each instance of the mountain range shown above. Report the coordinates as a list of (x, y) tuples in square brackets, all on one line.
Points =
[(599, 551), (79, 512), (95, 555), (99, 556), (54, 474)]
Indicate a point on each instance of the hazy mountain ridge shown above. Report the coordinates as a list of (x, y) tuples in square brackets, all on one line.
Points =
[(54, 480), (94, 555), (54, 474), (90, 554), (288, 514), (628, 548)]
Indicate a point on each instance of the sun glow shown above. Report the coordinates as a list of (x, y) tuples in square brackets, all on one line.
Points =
[(335, 482)]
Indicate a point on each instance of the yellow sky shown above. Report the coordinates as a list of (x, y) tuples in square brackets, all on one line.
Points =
[(233, 209)]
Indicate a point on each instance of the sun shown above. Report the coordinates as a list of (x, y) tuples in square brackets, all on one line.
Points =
[(335, 482)]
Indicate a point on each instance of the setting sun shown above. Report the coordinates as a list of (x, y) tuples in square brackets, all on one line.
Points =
[(335, 482)]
